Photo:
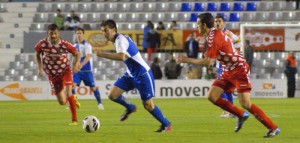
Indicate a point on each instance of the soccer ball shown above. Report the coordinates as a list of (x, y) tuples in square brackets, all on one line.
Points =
[(90, 124)]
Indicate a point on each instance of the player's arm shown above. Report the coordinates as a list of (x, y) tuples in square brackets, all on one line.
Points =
[(76, 64), (39, 64), (88, 55), (113, 56), (184, 59)]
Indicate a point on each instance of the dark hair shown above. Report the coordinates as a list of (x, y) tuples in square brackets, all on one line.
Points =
[(247, 42), (207, 18), (58, 10), (220, 16), (174, 22), (52, 27), (110, 23), (79, 29), (155, 59)]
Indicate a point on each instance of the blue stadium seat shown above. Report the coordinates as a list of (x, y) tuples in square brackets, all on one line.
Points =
[(225, 7), (234, 17), (251, 6), (199, 7), (186, 7), (193, 17), (212, 7), (238, 7), (223, 15)]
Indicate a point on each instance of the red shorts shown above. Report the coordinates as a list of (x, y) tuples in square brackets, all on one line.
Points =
[(238, 78), (57, 82)]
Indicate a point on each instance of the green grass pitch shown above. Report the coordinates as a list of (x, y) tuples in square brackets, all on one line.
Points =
[(194, 121)]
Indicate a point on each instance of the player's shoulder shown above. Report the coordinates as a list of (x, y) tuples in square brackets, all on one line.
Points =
[(65, 42), (121, 37)]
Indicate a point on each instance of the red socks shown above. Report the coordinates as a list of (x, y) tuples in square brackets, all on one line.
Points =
[(72, 103), (226, 105), (261, 116)]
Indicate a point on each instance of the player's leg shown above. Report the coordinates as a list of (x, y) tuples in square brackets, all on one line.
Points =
[(88, 79), (244, 99), (115, 94), (76, 82), (72, 102), (146, 87)]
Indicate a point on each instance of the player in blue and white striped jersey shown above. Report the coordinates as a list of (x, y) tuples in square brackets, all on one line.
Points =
[(138, 75), (86, 66)]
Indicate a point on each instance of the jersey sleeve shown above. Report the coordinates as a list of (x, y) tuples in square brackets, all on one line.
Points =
[(38, 47), (70, 48), (88, 48), (121, 44)]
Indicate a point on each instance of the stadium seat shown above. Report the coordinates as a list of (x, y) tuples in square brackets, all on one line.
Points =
[(110, 7), (71, 7), (297, 17), (44, 7), (83, 17), (183, 17), (174, 7), (56, 6), (238, 7), (139, 26), (20, 57), (93, 17), (251, 6), (170, 17), (278, 76), (123, 7), (186, 7), (288, 16), (127, 26), (193, 17), (132, 17), (40, 17), (119, 17), (291, 5), (199, 7), (161, 7), (86, 26), (97, 7), (225, 6), (104, 16), (232, 25), (223, 15), (248, 16), (262, 16), (31, 57), (264, 6), (253, 75), (234, 17), (149, 7), (84, 7), (264, 76), (143, 17), (50, 17), (136, 7), (278, 5), (156, 17), (275, 16), (36, 27), (212, 7)]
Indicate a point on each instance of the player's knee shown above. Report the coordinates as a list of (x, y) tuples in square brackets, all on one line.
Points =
[(148, 106), (62, 102), (211, 98)]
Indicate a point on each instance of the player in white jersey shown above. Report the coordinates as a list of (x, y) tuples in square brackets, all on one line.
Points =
[(85, 73), (220, 25), (138, 75)]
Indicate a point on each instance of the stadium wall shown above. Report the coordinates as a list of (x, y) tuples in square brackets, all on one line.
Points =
[(40, 90)]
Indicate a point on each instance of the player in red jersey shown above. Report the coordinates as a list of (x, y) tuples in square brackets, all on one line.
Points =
[(52, 51), (235, 75)]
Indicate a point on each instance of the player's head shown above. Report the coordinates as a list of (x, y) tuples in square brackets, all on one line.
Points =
[(219, 22), (205, 21), (79, 34), (53, 33), (247, 42), (109, 29)]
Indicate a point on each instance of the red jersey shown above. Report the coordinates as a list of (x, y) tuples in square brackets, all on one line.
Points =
[(220, 47), (54, 57)]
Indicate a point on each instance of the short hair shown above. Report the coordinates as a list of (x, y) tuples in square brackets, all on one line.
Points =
[(247, 42), (79, 29), (156, 59), (52, 27), (207, 18), (58, 10), (110, 23), (220, 16)]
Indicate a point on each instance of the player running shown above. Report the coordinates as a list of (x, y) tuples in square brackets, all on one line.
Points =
[(51, 55), (235, 75), (220, 25), (138, 76), (85, 73)]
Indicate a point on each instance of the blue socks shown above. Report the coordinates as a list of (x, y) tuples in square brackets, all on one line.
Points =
[(73, 91), (156, 113), (97, 96), (227, 96), (123, 101)]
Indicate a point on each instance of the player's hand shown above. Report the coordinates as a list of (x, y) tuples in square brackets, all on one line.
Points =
[(181, 59), (76, 67), (40, 72), (99, 52)]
